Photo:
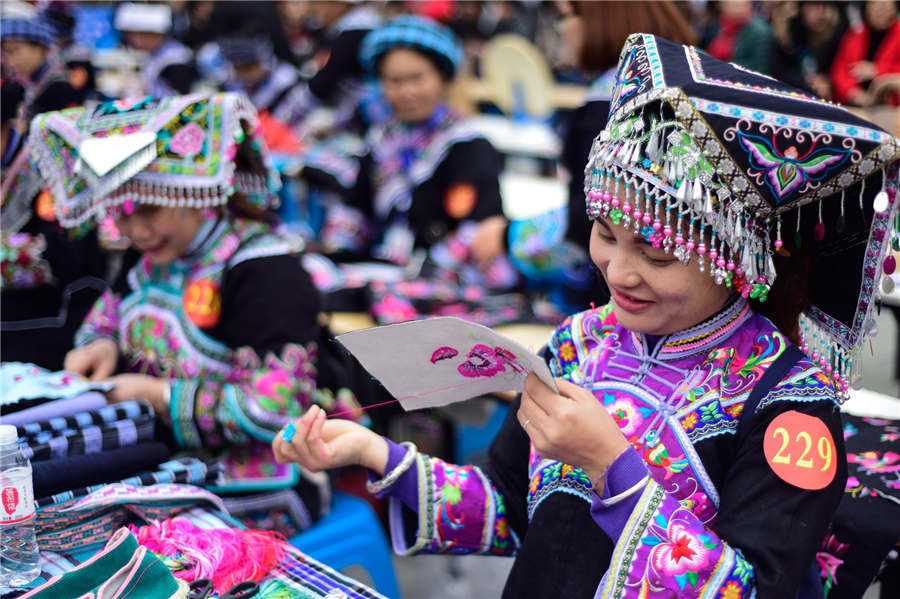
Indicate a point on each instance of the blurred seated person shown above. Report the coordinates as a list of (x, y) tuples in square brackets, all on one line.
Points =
[(867, 52), (169, 68), (806, 37), (211, 318), (338, 83), (256, 71), (426, 172), (50, 278), (741, 36), (27, 44), (81, 74)]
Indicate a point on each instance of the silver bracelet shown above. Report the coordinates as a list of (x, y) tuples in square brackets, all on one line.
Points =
[(626, 493), (391, 477)]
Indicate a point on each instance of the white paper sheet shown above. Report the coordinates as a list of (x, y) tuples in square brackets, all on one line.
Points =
[(439, 361)]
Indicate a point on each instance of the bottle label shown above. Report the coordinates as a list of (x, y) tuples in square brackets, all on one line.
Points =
[(18, 502)]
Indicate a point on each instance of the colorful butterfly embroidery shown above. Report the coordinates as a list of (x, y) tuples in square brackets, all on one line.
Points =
[(787, 171), (628, 81)]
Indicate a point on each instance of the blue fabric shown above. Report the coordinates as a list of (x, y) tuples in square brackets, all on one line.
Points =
[(32, 30), (414, 32)]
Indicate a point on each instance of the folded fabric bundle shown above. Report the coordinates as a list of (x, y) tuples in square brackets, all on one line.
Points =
[(52, 445), (91, 519), (122, 568), (60, 408), (188, 471), (54, 476), (88, 414), (282, 511), (23, 384)]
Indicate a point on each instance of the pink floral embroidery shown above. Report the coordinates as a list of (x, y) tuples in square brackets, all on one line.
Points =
[(684, 552), (482, 361), (626, 415), (188, 141)]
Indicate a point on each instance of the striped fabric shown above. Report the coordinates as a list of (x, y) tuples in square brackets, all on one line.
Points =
[(55, 444), (32, 30), (129, 410)]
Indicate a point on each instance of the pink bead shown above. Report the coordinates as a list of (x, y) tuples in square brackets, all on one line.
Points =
[(739, 271), (730, 265), (689, 245), (778, 243), (804, 348), (615, 202), (720, 262), (606, 196), (657, 225), (713, 254), (701, 249), (667, 231), (679, 240), (822, 362), (828, 369), (646, 219), (746, 292), (815, 356), (626, 208), (845, 386), (637, 214)]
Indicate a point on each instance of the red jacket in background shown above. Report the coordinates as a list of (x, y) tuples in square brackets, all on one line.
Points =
[(854, 48)]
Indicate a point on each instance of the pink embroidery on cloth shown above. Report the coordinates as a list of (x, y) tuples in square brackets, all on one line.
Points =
[(188, 141)]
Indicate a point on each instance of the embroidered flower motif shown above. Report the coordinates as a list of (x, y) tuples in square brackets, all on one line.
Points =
[(567, 351), (626, 415), (689, 421), (732, 590), (481, 361), (188, 141), (683, 553)]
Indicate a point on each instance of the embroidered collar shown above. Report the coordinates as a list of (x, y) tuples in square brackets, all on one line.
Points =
[(706, 335)]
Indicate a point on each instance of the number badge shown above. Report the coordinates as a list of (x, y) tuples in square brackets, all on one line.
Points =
[(202, 303), (800, 450)]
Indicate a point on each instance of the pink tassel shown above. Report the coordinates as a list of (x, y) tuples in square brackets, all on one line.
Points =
[(227, 556)]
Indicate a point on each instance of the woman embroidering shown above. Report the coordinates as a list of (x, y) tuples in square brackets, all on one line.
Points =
[(695, 448)]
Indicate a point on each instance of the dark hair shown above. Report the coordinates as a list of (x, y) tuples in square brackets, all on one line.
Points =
[(12, 95), (608, 24), (441, 63), (789, 294)]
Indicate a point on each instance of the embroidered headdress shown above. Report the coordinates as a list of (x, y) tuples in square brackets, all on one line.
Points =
[(708, 160), (418, 33), (194, 151)]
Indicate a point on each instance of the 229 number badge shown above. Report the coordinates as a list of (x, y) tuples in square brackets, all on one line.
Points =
[(800, 450)]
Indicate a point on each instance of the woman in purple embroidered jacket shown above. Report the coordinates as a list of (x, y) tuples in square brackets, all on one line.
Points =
[(212, 319), (696, 448)]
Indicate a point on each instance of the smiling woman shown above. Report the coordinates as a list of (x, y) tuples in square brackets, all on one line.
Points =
[(692, 450), (198, 318)]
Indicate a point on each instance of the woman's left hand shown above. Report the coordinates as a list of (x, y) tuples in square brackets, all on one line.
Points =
[(571, 427), (138, 386)]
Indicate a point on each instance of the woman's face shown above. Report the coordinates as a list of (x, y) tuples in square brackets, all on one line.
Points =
[(880, 14), (652, 292), (412, 84), (161, 233), (23, 56)]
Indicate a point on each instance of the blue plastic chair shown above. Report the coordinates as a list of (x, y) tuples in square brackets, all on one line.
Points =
[(351, 535)]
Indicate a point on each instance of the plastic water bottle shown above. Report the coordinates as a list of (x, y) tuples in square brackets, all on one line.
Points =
[(19, 557)]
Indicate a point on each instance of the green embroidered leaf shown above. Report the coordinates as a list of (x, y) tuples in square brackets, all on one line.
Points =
[(692, 578), (451, 493)]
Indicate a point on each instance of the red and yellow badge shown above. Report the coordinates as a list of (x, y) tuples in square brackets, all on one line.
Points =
[(202, 303), (460, 199), (800, 450), (44, 206)]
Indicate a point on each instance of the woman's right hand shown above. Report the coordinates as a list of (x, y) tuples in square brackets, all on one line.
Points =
[(97, 359), (320, 443)]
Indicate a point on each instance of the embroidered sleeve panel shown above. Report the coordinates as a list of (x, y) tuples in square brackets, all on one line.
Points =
[(255, 401), (577, 336), (102, 322), (459, 511), (666, 551)]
